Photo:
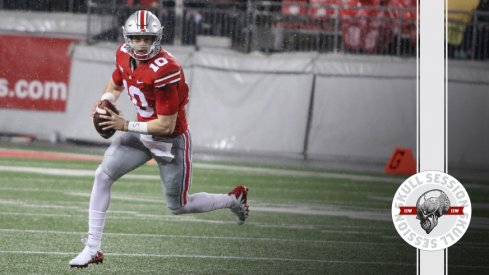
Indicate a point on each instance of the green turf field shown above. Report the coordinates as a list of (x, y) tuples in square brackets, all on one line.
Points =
[(311, 223)]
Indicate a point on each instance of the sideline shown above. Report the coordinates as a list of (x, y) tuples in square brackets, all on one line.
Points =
[(18, 153), (14, 153)]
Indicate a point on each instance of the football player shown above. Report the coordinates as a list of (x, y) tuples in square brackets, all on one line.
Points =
[(155, 84)]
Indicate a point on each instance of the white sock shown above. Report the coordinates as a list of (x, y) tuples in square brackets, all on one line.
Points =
[(96, 223), (205, 202), (99, 203)]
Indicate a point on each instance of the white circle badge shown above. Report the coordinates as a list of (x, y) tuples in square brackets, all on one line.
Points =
[(431, 210)]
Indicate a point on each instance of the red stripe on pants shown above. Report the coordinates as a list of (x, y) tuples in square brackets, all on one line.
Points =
[(188, 169)]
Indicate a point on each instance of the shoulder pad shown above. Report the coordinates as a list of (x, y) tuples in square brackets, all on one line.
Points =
[(168, 74), (169, 79)]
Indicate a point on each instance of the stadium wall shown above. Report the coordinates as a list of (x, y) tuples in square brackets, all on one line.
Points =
[(319, 106), (358, 107), (468, 116)]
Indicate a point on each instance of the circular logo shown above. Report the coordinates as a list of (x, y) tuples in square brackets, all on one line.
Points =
[(431, 210)]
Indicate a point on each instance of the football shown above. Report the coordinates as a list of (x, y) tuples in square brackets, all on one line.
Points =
[(97, 119)]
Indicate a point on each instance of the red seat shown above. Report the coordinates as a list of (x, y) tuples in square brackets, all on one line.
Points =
[(309, 14), (322, 14), (365, 26), (294, 9), (319, 9), (403, 21)]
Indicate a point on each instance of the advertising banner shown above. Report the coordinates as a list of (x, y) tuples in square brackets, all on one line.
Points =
[(34, 72)]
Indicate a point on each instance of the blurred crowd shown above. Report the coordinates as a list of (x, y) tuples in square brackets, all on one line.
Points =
[(360, 26)]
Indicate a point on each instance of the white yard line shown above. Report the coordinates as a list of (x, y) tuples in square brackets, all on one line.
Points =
[(135, 217), (280, 209), (209, 257), (206, 237), (331, 212), (65, 172), (267, 259), (480, 223), (296, 173), (207, 166), (187, 219), (203, 237)]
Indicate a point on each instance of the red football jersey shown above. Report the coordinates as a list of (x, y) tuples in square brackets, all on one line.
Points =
[(156, 87)]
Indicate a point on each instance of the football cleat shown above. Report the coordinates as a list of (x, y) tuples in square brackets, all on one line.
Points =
[(87, 257), (241, 207)]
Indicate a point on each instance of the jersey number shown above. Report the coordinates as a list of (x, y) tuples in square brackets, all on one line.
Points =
[(139, 100), (158, 63)]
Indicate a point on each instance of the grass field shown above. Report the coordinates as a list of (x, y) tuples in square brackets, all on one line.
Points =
[(301, 222)]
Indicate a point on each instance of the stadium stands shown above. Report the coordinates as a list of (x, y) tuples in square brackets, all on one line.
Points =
[(385, 27), (365, 26)]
